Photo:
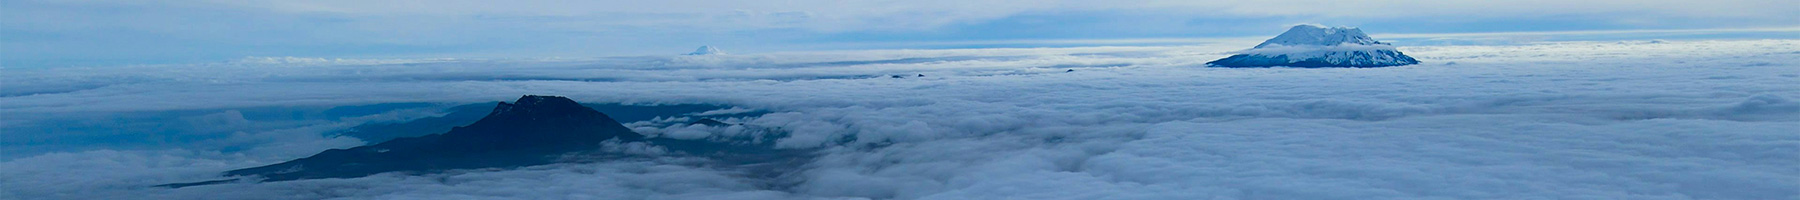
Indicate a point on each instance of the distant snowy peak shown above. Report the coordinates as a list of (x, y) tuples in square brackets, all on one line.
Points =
[(1316, 35), (706, 50), (1315, 46)]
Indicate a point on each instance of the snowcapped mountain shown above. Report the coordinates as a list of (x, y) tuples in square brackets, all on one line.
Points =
[(706, 50), (1314, 46)]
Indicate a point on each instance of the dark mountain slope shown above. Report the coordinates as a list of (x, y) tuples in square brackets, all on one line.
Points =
[(531, 131)]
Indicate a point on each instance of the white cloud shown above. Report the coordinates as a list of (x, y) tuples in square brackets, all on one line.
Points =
[(1631, 120), (727, 111)]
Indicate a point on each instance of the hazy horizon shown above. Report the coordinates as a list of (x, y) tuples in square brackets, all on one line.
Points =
[(82, 33)]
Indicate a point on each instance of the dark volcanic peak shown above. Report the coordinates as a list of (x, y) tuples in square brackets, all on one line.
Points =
[(467, 114), (531, 131), (547, 119)]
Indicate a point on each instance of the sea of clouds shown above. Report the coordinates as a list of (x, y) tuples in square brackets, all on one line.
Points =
[(1700, 119)]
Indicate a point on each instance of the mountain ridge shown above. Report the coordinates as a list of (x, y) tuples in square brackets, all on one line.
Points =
[(533, 130), (529, 131)]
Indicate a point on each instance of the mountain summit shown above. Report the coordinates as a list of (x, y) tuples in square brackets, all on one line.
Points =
[(1315, 35), (706, 50), (1314, 46), (533, 130)]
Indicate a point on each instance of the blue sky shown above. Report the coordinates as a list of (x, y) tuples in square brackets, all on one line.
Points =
[(79, 33)]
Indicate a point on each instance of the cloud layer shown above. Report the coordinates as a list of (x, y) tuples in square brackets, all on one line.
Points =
[(1622, 120)]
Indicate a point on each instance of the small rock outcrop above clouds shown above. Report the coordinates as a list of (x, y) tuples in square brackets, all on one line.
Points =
[(706, 50), (1314, 46)]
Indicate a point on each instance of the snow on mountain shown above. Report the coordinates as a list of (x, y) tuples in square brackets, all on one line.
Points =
[(1317, 35), (1313, 46), (706, 50)]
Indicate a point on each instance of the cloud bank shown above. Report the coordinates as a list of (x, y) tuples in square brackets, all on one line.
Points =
[(1609, 120)]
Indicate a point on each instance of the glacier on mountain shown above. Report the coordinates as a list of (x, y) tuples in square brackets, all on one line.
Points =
[(706, 50), (1315, 46)]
